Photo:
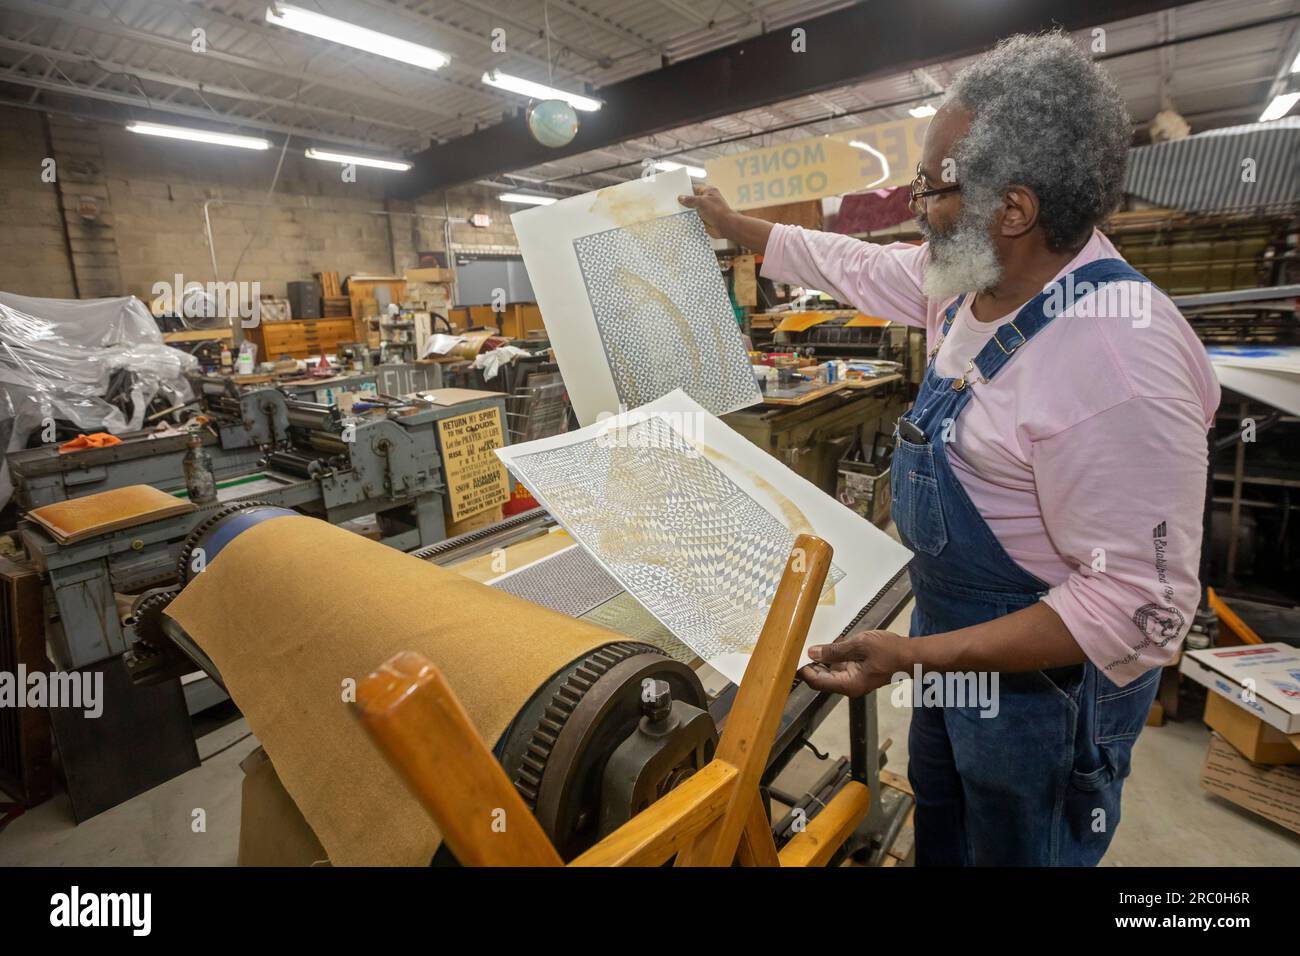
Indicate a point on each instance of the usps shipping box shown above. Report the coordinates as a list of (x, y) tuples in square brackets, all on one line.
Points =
[(1262, 678)]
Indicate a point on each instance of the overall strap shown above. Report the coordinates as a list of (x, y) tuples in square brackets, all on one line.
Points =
[(1039, 311), (950, 313)]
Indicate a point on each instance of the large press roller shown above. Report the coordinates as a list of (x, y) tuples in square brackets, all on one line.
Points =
[(590, 728)]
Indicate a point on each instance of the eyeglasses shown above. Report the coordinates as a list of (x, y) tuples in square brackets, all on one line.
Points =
[(921, 187)]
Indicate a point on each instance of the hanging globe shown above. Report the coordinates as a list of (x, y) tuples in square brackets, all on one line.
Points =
[(553, 123)]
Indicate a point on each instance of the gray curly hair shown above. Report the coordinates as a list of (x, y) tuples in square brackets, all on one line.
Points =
[(1044, 116)]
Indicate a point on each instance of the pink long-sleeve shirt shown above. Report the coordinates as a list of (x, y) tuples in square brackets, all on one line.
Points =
[(1086, 454)]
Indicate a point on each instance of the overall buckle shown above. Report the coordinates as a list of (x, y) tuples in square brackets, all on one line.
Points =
[(997, 338), (960, 383)]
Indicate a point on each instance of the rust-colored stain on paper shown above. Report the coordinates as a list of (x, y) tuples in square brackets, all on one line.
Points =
[(623, 210), (644, 289)]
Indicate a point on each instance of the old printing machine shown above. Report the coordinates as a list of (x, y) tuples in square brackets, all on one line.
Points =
[(306, 456), (383, 459), (107, 597), (590, 748)]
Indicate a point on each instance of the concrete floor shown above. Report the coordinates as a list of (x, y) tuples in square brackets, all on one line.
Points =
[(155, 828), (1168, 819)]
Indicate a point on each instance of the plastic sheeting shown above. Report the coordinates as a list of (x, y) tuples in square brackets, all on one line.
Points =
[(59, 358)]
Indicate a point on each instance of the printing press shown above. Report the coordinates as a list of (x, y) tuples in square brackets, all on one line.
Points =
[(587, 745), (383, 460)]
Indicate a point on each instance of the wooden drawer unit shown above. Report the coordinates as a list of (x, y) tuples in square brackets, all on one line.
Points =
[(301, 339)]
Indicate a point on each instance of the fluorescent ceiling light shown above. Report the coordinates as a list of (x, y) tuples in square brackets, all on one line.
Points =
[(359, 38), (920, 112), (539, 91), (1295, 64), (1280, 106), (398, 164), (884, 163), (526, 199), (667, 166), (198, 135)]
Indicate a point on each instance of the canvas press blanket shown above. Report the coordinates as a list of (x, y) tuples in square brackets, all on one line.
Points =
[(291, 635)]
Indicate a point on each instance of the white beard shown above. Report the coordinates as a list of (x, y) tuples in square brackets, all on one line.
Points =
[(961, 260)]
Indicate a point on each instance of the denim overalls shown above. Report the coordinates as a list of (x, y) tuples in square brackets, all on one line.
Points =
[(1039, 783)]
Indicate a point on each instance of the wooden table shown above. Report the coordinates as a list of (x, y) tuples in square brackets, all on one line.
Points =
[(811, 432), (199, 335), (818, 391)]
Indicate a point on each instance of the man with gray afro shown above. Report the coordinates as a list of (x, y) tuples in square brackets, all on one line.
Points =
[(1050, 476)]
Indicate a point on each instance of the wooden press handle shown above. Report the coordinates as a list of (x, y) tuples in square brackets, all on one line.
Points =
[(756, 713), (420, 726)]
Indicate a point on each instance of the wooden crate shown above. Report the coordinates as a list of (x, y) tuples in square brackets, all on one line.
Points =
[(330, 286), (361, 292)]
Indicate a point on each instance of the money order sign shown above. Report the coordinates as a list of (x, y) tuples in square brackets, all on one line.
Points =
[(871, 157)]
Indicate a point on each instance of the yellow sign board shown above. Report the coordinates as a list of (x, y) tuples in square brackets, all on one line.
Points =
[(476, 479), (872, 157)]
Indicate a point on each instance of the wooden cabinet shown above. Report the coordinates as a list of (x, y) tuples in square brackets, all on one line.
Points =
[(515, 321), (300, 339)]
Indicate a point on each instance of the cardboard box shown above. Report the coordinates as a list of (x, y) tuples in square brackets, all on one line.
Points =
[(428, 293), (1255, 739), (455, 396), (272, 830), (1271, 792), (1261, 678)]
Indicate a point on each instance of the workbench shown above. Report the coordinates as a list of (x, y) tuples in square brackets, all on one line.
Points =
[(198, 335), (810, 430)]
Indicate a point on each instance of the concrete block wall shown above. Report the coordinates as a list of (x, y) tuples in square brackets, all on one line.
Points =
[(421, 225), (33, 246), (87, 207), (499, 236), (151, 194), (315, 222)]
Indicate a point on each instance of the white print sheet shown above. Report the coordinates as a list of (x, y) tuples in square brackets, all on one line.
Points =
[(1279, 389), (633, 301), (1272, 358), (1266, 373), (697, 523)]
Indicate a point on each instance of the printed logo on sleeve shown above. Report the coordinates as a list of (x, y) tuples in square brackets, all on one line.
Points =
[(1159, 625)]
